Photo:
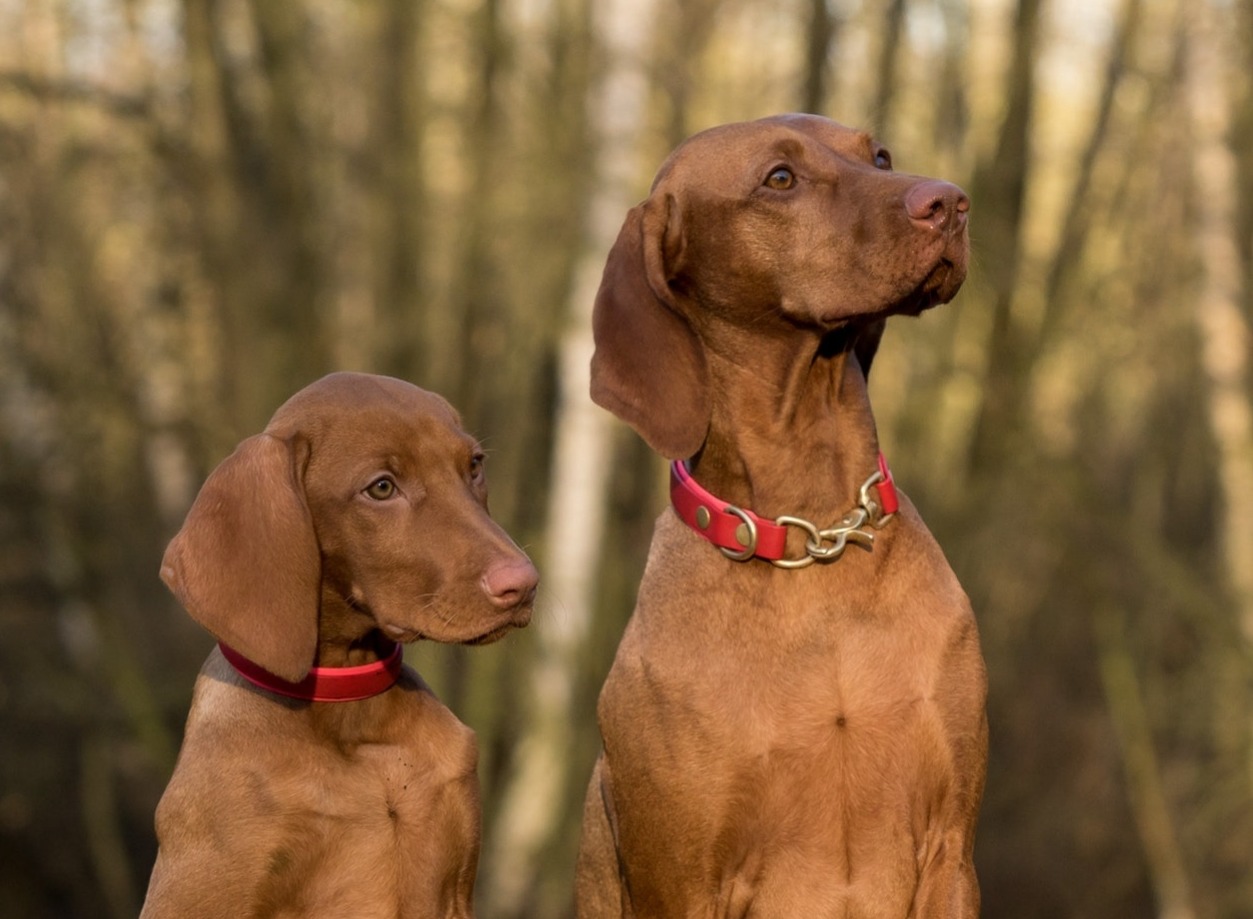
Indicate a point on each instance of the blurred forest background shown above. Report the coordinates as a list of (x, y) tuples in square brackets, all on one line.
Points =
[(206, 204)]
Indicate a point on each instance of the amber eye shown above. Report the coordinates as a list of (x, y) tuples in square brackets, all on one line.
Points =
[(381, 489), (882, 159), (781, 179), (477, 471)]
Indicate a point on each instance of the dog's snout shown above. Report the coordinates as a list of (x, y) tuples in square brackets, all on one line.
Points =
[(511, 583), (934, 204)]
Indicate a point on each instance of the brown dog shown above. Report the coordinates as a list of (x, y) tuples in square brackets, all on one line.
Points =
[(356, 521), (803, 741)]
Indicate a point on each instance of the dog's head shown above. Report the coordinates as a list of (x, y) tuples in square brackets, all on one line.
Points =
[(794, 222), (363, 494)]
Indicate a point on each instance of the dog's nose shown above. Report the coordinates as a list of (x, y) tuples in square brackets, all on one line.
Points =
[(511, 583), (934, 204)]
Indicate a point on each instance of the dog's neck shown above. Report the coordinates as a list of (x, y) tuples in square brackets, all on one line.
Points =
[(347, 636), (791, 429)]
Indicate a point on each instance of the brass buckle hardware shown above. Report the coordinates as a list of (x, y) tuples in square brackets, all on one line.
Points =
[(870, 504), (848, 530), (750, 531), (851, 529)]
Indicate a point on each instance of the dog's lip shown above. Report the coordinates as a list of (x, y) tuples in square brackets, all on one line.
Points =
[(400, 633), (519, 618), (494, 635)]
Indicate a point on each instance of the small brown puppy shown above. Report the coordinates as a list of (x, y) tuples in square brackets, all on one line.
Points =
[(794, 725), (319, 776)]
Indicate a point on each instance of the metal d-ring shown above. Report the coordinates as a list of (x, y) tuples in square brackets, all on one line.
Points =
[(751, 527), (813, 545)]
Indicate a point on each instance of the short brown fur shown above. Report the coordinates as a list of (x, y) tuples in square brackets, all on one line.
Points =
[(279, 807), (781, 743)]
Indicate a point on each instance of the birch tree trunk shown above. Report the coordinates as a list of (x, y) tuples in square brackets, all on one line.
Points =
[(532, 801), (1222, 327)]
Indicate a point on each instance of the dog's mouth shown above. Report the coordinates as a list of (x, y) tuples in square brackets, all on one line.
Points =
[(491, 637), (517, 618), (939, 286), (520, 620)]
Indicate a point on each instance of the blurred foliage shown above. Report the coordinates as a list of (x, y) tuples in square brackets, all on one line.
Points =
[(206, 204)]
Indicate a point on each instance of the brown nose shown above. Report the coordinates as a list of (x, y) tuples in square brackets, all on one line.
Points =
[(511, 583), (934, 204)]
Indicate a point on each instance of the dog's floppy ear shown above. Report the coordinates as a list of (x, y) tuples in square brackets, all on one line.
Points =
[(649, 365), (246, 564)]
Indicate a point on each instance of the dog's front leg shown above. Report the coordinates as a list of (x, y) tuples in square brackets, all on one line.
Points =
[(948, 887), (599, 889)]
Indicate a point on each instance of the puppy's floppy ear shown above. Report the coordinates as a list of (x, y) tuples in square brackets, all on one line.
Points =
[(246, 564), (866, 345), (649, 365)]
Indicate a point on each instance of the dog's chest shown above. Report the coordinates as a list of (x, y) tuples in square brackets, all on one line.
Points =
[(382, 828), (851, 709), (852, 698), (827, 752), (409, 816), (779, 666)]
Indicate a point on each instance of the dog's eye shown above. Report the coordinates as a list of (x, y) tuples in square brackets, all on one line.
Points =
[(781, 179), (882, 159), (477, 471), (381, 488)]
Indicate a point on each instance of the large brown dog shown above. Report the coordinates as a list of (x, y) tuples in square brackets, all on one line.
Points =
[(356, 521), (781, 742)]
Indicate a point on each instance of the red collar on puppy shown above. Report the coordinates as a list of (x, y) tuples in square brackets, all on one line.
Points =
[(742, 535), (325, 684)]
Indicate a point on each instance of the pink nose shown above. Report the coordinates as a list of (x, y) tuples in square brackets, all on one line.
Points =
[(934, 204), (511, 583)]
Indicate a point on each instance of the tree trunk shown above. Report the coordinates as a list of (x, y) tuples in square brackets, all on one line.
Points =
[(886, 68), (820, 34), (398, 198), (952, 120), (1242, 144), (681, 33), (1222, 325), (540, 782), (1000, 187), (1077, 222), (1140, 765), (102, 826)]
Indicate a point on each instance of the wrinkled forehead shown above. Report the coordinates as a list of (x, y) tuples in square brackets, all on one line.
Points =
[(368, 411), (706, 157)]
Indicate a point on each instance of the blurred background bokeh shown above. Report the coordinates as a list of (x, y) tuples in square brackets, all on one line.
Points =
[(206, 204)]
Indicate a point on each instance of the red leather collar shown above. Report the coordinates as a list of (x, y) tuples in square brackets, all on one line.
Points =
[(325, 684), (742, 535)]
